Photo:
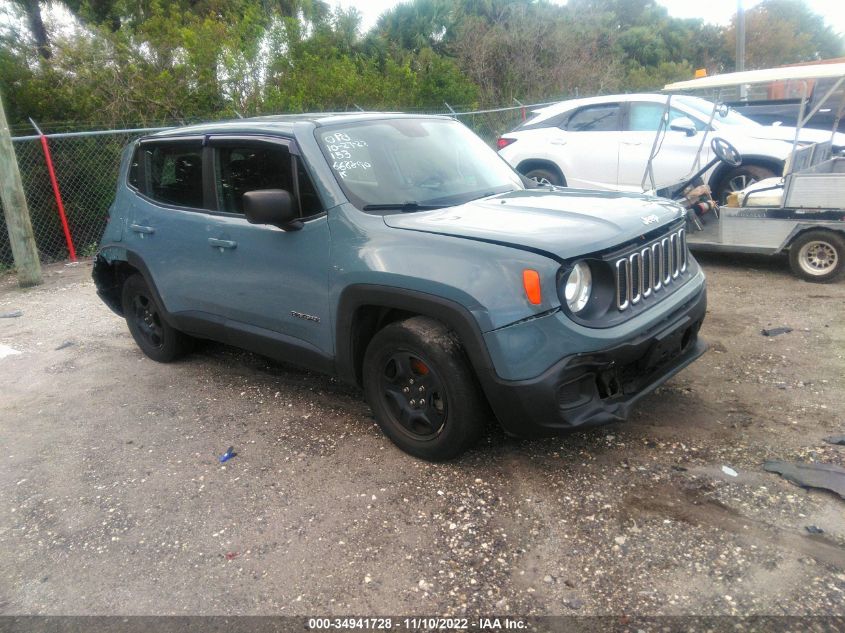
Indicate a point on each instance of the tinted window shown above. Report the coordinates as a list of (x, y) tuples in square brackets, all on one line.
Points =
[(250, 168), (133, 168), (174, 173), (596, 118), (255, 167), (645, 117)]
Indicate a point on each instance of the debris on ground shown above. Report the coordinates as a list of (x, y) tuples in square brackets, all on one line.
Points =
[(825, 476), (14, 314), (835, 439), (775, 331), (232, 555), (65, 345), (729, 471), (5, 351), (229, 454), (814, 529)]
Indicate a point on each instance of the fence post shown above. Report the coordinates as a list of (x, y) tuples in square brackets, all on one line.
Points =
[(58, 195), (21, 238)]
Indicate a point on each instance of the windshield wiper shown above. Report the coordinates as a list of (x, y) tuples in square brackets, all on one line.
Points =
[(404, 207)]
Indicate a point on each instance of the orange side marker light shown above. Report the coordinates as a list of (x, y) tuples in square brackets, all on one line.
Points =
[(531, 282)]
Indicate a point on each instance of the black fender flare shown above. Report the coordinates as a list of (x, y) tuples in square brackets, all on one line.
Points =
[(452, 314), (136, 261)]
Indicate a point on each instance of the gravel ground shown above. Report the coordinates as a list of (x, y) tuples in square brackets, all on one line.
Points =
[(114, 501)]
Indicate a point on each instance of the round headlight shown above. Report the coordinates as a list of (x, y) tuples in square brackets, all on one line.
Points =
[(577, 287)]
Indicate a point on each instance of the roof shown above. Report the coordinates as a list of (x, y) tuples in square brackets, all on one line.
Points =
[(284, 123), (807, 71)]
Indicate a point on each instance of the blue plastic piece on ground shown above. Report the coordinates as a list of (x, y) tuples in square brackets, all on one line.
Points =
[(229, 454)]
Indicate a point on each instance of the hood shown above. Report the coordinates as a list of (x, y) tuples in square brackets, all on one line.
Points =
[(787, 133), (564, 224)]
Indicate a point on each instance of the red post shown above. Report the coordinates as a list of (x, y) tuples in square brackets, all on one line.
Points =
[(57, 193)]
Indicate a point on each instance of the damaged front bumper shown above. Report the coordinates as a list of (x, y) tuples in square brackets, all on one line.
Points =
[(599, 387)]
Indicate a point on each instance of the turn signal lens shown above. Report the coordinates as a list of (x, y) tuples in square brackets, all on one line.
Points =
[(531, 282)]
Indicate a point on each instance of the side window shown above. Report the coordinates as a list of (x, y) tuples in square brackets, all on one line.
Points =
[(645, 117), (174, 173), (309, 201), (252, 167), (132, 177), (595, 118)]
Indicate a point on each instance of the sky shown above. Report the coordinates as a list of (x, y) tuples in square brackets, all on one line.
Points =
[(718, 11)]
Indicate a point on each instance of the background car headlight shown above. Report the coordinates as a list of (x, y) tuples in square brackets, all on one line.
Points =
[(578, 285)]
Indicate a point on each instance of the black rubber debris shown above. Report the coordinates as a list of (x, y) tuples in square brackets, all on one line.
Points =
[(65, 345), (825, 476), (776, 331), (835, 439), (814, 529)]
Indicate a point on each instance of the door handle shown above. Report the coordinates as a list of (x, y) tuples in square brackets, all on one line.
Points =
[(558, 141), (221, 244), (143, 230), (632, 142)]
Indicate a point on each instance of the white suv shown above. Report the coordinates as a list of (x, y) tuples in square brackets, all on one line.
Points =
[(605, 142)]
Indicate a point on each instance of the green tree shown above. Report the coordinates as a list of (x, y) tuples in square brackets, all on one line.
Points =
[(783, 32)]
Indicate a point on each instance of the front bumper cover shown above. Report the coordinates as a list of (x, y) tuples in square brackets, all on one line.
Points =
[(600, 387)]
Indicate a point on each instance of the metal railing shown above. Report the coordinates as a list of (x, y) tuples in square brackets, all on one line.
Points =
[(86, 166)]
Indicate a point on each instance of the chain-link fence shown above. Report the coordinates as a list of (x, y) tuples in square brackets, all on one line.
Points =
[(86, 166)]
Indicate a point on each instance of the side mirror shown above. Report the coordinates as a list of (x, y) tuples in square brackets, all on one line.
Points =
[(683, 124), (271, 206)]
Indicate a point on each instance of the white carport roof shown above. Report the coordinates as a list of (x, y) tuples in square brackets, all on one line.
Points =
[(786, 73)]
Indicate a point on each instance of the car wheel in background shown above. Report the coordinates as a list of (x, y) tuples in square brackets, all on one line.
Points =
[(818, 256), (545, 177), (154, 336), (422, 389), (738, 178)]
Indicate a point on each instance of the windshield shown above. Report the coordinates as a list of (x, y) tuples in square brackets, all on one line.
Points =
[(705, 107), (412, 163)]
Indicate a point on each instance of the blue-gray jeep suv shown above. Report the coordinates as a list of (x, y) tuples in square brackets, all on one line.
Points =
[(403, 255)]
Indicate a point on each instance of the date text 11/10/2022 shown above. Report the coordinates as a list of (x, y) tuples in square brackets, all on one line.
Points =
[(418, 623)]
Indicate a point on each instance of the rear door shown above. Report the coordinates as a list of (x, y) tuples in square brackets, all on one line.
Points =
[(167, 221), (588, 141)]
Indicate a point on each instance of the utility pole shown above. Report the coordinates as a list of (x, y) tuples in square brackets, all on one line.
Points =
[(16, 211), (740, 45)]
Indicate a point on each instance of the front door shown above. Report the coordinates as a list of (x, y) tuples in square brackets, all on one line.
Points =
[(267, 281), (675, 154)]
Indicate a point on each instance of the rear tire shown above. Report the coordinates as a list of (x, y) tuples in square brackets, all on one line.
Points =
[(146, 323), (738, 178), (544, 176), (818, 256), (422, 390)]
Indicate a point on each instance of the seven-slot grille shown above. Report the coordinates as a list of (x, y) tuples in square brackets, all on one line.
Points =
[(650, 269)]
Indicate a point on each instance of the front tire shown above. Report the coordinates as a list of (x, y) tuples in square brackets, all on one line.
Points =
[(545, 177), (818, 256), (738, 178), (422, 390), (146, 323)]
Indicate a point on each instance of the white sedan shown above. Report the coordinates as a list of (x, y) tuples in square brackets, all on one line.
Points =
[(605, 143)]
